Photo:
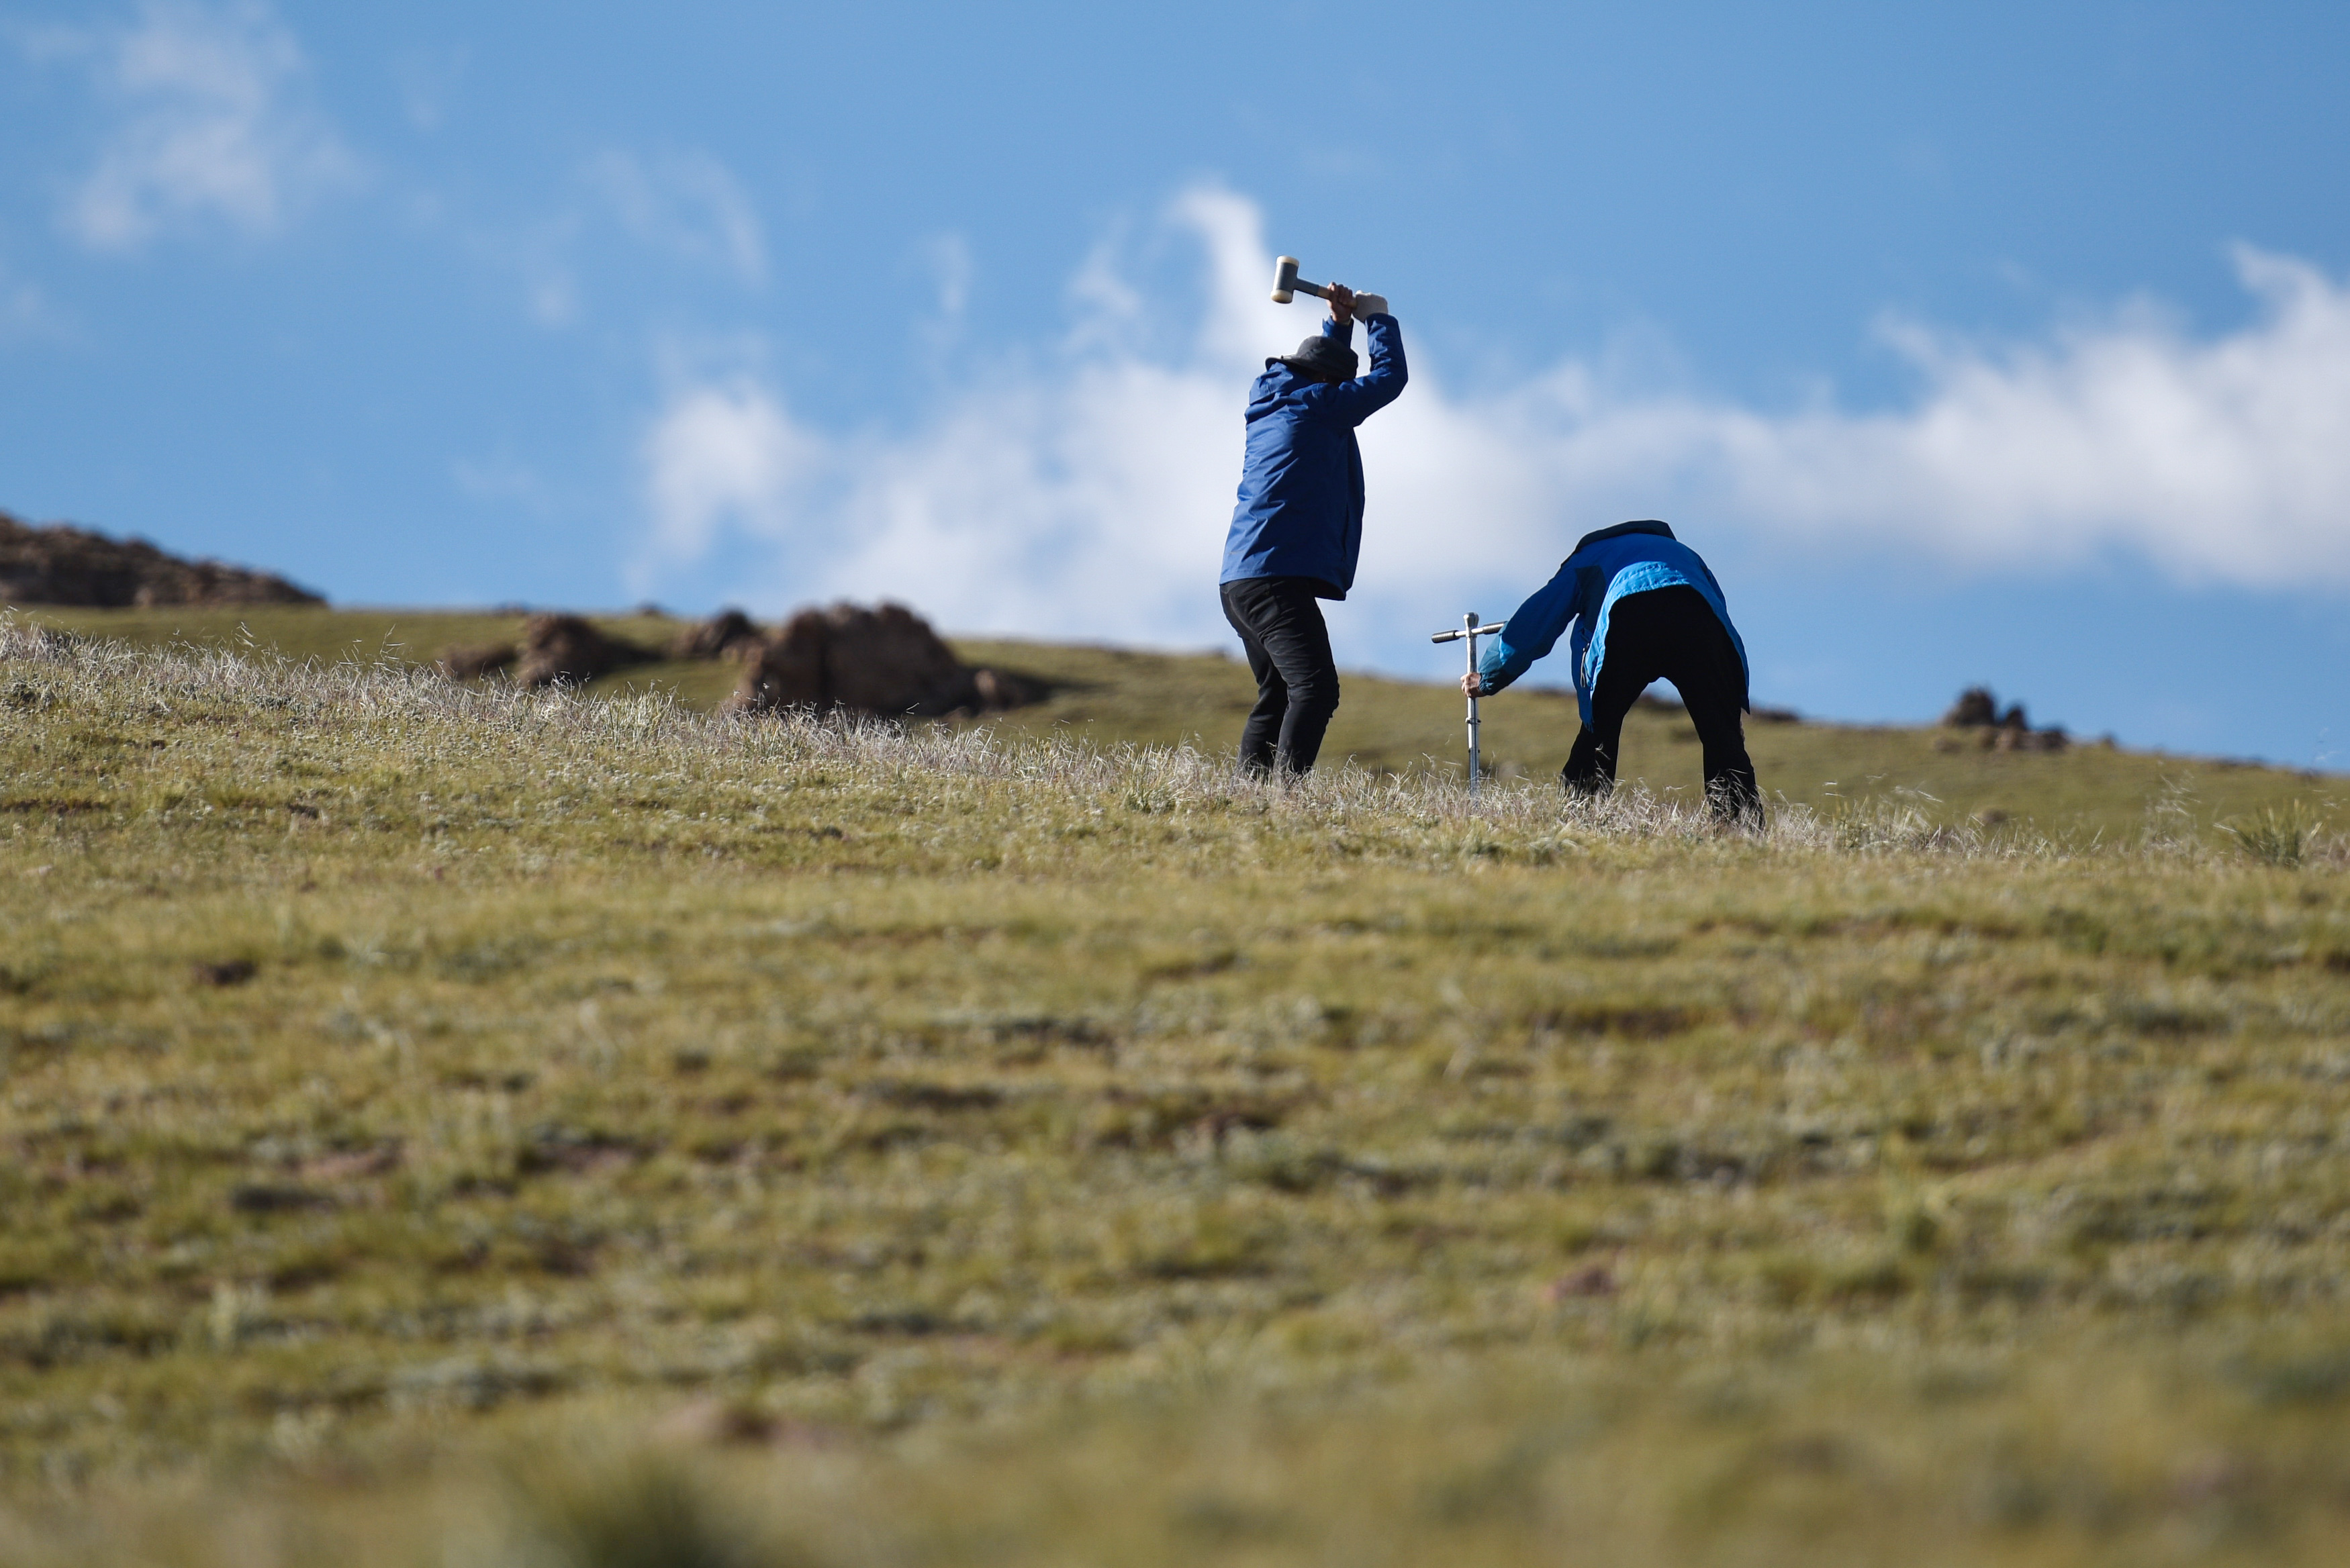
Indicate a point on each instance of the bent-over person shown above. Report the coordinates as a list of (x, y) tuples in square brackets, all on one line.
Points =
[(1644, 607)]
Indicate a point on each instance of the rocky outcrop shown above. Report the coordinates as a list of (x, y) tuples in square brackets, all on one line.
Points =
[(57, 565), (1976, 706), (786, 671), (2017, 738), (1977, 710), (567, 649), (471, 660), (885, 661), (728, 634), (998, 689), (889, 660)]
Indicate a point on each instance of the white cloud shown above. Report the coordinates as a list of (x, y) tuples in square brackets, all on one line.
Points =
[(726, 453), (688, 204), (1077, 500), (2223, 460), (1090, 497), (211, 124)]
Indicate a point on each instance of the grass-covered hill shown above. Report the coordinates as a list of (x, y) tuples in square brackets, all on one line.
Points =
[(1104, 697), (454, 1125)]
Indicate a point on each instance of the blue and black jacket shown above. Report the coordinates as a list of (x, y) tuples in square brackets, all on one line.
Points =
[(1629, 559), (1300, 512)]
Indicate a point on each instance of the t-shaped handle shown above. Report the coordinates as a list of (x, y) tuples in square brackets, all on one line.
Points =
[(1469, 628), (1470, 632)]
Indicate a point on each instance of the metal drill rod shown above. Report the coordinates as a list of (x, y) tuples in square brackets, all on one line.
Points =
[(1469, 633)]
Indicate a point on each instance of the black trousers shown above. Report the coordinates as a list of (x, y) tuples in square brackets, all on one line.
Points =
[(1280, 623), (1671, 634)]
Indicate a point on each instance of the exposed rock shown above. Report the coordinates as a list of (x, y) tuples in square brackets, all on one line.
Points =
[(57, 565), (886, 661), (1976, 706), (729, 632), (2011, 731), (466, 661), (786, 671), (889, 660), (999, 690), (566, 648)]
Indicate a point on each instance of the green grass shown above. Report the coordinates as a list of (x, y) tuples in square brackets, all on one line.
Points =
[(1038, 1152), (1108, 697)]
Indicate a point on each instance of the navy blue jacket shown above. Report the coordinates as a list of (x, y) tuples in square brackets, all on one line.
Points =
[(1629, 559), (1301, 501)]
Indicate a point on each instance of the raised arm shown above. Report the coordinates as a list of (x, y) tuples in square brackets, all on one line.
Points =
[(1356, 400)]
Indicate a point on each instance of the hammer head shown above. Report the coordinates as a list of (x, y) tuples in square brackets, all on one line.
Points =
[(1285, 280)]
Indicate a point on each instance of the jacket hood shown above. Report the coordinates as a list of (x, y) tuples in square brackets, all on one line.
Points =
[(1645, 525)]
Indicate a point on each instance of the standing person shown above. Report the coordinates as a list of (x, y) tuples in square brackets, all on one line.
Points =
[(1645, 608), (1298, 527)]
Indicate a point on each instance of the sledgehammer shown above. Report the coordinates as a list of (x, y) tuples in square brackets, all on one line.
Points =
[(1287, 286), (1470, 632)]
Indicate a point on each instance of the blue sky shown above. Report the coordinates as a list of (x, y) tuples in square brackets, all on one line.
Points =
[(1973, 343)]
